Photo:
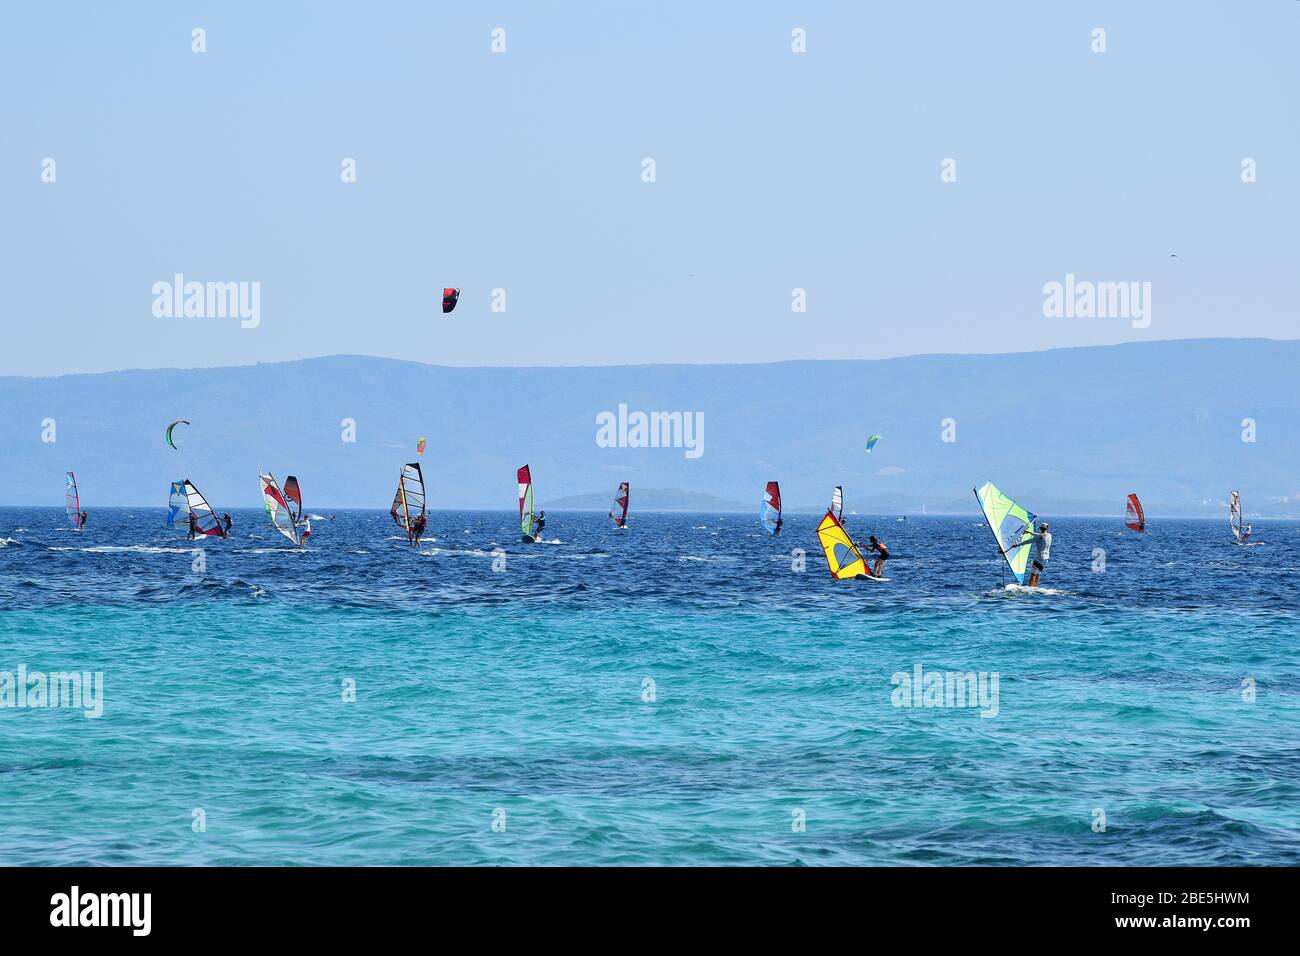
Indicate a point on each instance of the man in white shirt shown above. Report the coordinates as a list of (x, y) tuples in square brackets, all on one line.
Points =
[(1042, 551)]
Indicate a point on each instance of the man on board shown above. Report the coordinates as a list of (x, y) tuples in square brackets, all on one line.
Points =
[(227, 522), (194, 526), (1242, 534), (417, 529), (779, 523), (1042, 542), (878, 547), (539, 522), (81, 520)]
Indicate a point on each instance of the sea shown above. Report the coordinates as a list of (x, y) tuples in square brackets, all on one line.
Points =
[(687, 691)]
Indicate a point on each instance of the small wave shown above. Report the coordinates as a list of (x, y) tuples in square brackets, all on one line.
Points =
[(7, 542), (128, 548)]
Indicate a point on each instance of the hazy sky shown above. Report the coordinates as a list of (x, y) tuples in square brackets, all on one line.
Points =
[(522, 171)]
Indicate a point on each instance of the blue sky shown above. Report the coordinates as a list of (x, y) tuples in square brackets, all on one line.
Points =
[(522, 171)]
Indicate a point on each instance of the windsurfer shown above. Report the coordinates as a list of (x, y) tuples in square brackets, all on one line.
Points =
[(194, 526), (81, 519), (881, 549), (418, 528), (1042, 542), (539, 522), (226, 522), (779, 522)]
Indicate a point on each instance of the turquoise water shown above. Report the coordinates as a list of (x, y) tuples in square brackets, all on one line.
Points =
[(522, 695)]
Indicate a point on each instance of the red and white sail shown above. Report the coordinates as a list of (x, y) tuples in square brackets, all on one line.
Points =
[(1134, 517), (619, 511)]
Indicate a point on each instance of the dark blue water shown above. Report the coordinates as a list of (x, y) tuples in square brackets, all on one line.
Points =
[(679, 692)]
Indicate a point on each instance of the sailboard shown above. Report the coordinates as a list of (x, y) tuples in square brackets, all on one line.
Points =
[(1011, 525), (277, 508), (176, 502), (204, 517), (769, 513), (619, 511), (408, 503), (72, 501), (525, 478), (1134, 518), (837, 503), (1240, 532), (842, 555)]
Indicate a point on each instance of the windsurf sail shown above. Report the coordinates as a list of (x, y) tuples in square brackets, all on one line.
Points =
[(1234, 518), (408, 503), (204, 517), (619, 511), (837, 503), (1011, 525), (277, 507), (1134, 517), (842, 555), (176, 502), (770, 511), (170, 438), (525, 478), (72, 501), (293, 498)]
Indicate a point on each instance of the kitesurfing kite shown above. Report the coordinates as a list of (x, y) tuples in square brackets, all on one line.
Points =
[(526, 519), (842, 555), (170, 441), (1011, 525), (449, 299), (419, 447), (619, 511), (1239, 531), (1134, 519), (72, 501), (408, 503), (871, 442), (769, 513)]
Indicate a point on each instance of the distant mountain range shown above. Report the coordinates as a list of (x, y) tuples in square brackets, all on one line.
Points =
[(1064, 431)]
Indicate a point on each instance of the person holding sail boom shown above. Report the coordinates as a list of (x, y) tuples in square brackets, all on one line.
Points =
[(1042, 542), (878, 547)]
